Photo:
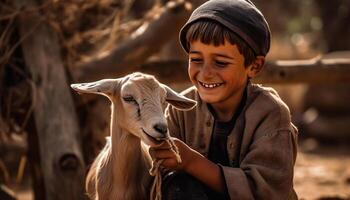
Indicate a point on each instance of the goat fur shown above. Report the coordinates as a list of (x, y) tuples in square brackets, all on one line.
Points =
[(121, 170)]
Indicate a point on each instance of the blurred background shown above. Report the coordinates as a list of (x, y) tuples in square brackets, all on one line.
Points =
[(50, 135)]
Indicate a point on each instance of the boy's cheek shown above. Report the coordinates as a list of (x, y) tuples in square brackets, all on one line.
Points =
[(192, 73)]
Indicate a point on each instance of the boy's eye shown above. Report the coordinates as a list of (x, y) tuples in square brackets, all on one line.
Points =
[(196, 60), (221, 63)]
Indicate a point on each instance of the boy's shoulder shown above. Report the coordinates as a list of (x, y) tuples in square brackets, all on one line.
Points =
[(266, 97), (266, 104)]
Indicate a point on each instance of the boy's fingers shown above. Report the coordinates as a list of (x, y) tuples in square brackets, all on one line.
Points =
[(154, 152), (170, 163), (163, 154)]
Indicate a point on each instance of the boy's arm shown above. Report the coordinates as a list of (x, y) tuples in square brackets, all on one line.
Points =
[(266, 172), (206, 171)]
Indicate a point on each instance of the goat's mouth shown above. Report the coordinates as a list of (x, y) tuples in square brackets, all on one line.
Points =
[(151, 138)]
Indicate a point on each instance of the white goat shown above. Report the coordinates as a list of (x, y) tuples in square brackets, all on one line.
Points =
[(121, 170)]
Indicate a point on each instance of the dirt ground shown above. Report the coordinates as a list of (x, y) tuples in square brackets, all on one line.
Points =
[(322, 172)]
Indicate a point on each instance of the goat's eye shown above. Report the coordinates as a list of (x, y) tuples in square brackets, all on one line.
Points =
[(130, 99)]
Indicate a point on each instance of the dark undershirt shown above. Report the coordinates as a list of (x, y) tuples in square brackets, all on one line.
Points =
[(218, 144)]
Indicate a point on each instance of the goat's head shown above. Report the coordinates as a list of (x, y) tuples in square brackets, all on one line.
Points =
[(139, 100)]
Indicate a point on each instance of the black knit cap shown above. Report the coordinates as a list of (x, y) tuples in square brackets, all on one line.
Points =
[(239, 16)]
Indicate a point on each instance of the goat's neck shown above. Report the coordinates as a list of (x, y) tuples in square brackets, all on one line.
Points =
[(129, 164)]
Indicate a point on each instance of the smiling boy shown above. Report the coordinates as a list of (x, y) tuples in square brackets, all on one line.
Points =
[(239, 142)]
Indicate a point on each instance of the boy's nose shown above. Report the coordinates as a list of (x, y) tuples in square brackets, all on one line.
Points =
[(207, 70)]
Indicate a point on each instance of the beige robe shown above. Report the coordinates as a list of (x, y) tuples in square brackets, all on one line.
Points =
[(263, 143)]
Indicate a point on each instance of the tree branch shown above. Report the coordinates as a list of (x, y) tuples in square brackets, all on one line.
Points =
[(144, 42)]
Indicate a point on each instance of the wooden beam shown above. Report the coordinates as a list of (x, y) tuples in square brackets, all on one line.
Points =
[(315, 71), (61, 163)]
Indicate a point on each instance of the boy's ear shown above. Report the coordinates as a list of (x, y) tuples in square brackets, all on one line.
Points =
[(256, 66)]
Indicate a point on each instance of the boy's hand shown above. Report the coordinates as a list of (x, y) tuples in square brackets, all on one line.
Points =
[(192, 163), (164, 152)]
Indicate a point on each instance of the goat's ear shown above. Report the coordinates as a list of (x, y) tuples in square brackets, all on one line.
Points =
[(177, 100), (104, 87)]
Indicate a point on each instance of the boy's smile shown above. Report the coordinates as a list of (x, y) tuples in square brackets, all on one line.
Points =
[(210, 85), (219, 74)]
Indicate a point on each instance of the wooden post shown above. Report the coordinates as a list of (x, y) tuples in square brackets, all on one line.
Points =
[(61, 164)]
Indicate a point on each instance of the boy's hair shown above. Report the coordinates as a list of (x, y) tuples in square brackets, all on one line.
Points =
[(238, 21), (209, 32)]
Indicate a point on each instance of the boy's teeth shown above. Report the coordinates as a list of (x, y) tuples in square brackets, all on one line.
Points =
[(210, 85)]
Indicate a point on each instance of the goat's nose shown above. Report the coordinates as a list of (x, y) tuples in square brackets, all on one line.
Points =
[(161, 128)]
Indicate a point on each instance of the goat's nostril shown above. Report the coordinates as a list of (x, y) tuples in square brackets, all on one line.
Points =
[(161, 128)]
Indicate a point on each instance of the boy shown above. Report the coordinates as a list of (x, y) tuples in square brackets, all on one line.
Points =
[(238, 142)]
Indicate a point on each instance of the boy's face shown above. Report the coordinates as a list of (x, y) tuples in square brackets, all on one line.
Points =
[(218, 73)]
